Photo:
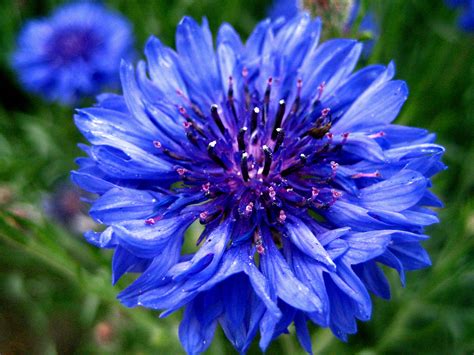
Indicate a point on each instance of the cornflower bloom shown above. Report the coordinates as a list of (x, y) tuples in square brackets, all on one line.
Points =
[(286, 157), (74, 53)]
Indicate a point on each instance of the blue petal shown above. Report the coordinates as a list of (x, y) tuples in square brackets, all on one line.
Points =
[(374, 279), (378, 105), (163, 68), (147, 241), (396, 194), (307, 242), (199, 323), (367, 245), (123, 262), (120, 204), (193, 47), (105, 239), (302, 332), (287, 286)]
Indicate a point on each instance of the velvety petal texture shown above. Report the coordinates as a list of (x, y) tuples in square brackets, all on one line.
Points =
[(75, 52), (289, 160)]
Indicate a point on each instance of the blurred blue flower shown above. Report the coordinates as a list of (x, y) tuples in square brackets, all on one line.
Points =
[(286, 156), (466, 20), (74, 53)]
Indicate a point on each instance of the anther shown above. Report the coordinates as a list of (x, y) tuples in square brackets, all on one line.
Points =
[(217, 118), (241, 138), (150, 221), (303, 158), (206, 187), (157, 144), (325, 112), (203, 216), (244, 167), (279, 139), (314, 192), (279, 117), (272, 193), (334, 167), (253, 119), (248, 209), (211, 151), (268, 160), (282, 217), (259, 243), (266, 100), (181, 171), (344, 138), (295, 167)]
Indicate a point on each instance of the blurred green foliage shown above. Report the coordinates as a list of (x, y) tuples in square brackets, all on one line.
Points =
[(55, 290)]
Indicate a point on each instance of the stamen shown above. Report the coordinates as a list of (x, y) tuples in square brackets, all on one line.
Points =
[(282, 217), (344, 138), (230, 98), (268, 160), (335, 196), (279, 118), (248, 209), (279, 139), (206, 187), (211, 151), (241, 138), (266, 100), (272, 193), (375, 174), (295, 167), (329, 136), (244, 167), (325, 112), (245, 73), (321, 90), (334, 167), (152, 220), (217, 118), (259, 243), (377, 135), (296, 103), (253, 119)]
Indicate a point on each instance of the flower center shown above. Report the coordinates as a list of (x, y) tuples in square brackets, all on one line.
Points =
[(258, 153), (72, 44)]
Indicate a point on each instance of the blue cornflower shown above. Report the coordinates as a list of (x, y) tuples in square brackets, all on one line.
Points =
[(466, 20), (286, 157), (74, 53)]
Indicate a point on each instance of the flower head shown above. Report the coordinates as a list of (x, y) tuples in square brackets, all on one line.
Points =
[(74, 53), (466, 20), (286, 156)]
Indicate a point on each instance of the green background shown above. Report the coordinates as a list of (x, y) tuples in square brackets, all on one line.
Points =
[(55, 290)]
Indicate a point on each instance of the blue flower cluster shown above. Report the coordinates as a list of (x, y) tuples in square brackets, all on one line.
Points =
[(74, 53), (466, 20), (289, 160)]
